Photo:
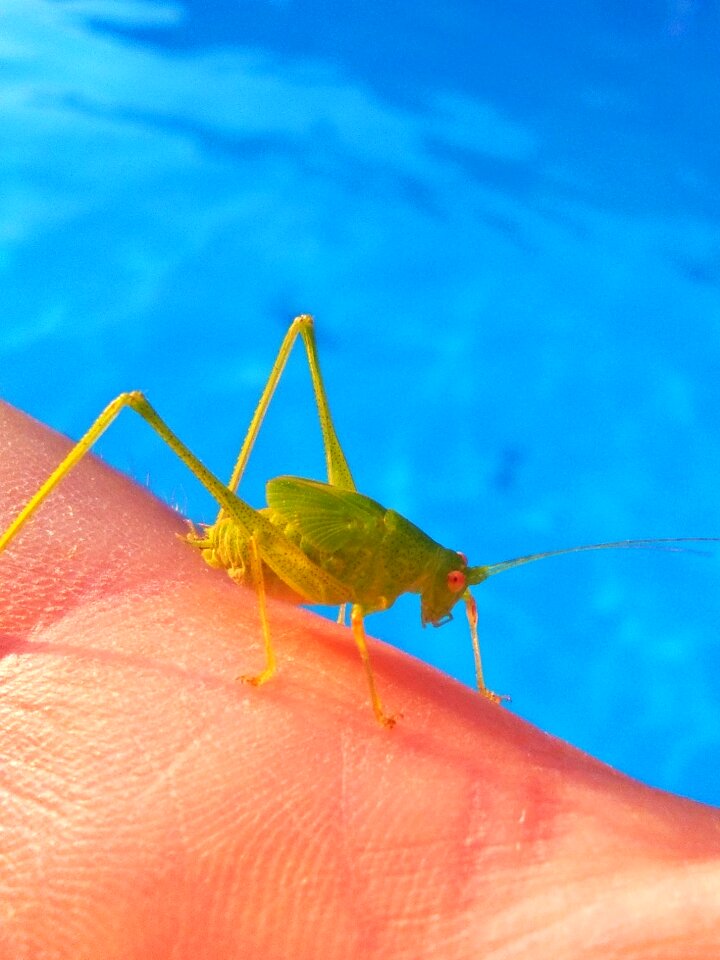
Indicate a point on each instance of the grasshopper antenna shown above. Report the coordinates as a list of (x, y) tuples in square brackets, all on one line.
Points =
[(672, 544)]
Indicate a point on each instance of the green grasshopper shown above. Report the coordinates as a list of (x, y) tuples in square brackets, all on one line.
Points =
[(316, 543)]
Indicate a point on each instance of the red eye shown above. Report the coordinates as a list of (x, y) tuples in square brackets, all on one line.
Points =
[(456, 581)]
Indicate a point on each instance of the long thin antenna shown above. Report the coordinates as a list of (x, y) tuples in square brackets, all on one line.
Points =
[(664, 543)]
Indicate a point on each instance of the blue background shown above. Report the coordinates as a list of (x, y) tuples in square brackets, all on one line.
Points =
[(505, 217)]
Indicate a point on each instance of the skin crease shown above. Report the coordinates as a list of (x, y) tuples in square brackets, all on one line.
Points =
[(152, 806)]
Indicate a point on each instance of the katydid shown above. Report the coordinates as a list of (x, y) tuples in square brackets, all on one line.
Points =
[(317, 543)]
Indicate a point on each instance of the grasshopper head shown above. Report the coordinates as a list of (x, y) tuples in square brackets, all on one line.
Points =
[(449, 583)]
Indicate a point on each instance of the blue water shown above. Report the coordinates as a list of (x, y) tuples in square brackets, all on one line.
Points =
[(506, 219)]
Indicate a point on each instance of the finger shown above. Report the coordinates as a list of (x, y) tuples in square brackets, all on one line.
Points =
[(152, 806)]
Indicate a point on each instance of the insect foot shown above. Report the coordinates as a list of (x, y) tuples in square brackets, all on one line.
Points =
[(388, 721), (259, 679), (495, 697)]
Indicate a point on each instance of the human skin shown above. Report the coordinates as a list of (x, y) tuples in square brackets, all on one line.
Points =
[(151, 806)]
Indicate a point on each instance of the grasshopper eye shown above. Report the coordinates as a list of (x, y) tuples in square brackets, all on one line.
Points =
[(456, 581), (462, 556)]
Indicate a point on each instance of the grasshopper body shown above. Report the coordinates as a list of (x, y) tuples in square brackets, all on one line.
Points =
[(315, 543)]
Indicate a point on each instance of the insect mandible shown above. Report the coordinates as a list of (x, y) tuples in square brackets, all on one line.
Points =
[(316, 543)]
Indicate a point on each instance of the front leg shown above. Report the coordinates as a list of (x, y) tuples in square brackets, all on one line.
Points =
[(357, 616)]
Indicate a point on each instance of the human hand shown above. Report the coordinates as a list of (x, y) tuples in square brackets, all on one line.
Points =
[(152, 806)]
